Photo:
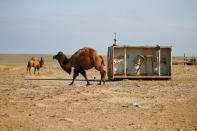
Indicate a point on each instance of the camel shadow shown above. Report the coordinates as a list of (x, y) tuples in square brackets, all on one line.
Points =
[(60, 79)]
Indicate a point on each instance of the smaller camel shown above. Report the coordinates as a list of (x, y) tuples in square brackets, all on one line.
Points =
[(34, 62), (84, 59)]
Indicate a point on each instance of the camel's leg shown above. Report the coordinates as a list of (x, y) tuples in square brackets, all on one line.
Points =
[(98, 69), (38, 70), (103, 74), (82, 71), (34, 70), (100, 79), (76, 73), (28, 70)]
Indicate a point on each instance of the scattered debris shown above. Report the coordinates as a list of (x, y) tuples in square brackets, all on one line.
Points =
[(136, 105), (191, 61), (125, 106), (52, 116), (137, 85), (133, 104), (151, 97), (65, 119)]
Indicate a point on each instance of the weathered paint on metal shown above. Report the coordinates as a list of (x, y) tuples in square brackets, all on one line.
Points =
[(124, 63)]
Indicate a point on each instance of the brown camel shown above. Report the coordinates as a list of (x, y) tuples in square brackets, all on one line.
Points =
[(34, 62), (82, 60)]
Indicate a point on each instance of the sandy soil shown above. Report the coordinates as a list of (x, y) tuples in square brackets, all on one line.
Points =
[(46, 102)]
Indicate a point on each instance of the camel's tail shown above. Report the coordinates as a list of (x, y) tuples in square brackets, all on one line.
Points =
[(98, 60), (102, 60)]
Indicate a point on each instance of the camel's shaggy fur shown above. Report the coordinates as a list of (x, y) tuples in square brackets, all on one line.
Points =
[(82, 60)]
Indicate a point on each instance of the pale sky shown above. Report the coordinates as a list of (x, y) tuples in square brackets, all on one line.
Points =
[(48, 26)]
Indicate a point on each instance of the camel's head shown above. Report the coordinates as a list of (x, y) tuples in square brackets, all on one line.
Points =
[(59, 56), (42, 62)]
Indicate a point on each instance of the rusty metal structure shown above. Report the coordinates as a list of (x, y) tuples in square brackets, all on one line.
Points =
[(139, 62)]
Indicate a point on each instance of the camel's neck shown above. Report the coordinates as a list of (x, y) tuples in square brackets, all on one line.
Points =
[(41, 63), (64, 63)]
